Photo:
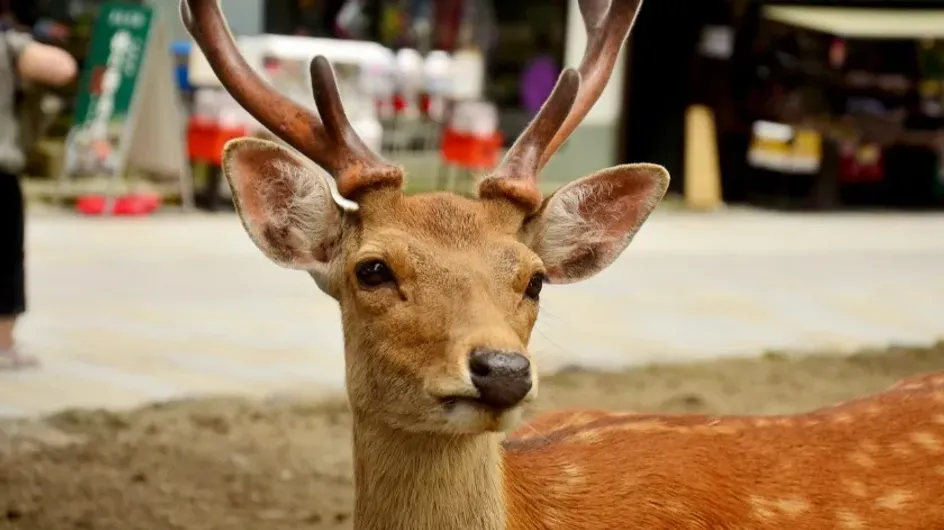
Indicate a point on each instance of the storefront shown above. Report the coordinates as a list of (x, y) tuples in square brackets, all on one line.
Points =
[(524, 44), (817, 104), (868, 83)]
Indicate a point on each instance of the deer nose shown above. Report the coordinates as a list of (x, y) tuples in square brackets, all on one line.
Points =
[(503, 379)]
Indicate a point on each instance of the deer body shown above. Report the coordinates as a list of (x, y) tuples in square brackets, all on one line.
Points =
[(875, 462), (439, 295)]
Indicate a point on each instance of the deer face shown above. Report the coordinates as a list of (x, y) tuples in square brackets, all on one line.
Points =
[(439, 298), (438, 293)]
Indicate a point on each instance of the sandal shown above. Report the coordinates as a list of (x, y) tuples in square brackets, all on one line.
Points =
[(13, 359)]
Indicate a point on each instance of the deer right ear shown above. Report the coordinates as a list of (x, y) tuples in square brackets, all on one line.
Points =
[(583, 227), (285, 203)]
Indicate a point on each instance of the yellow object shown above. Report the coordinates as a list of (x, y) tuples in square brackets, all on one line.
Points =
[(867, 154), (702, 169), (808, 143), (783, 148), (807, 151)]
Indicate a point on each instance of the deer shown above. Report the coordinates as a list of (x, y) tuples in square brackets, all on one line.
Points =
[(439, 294)]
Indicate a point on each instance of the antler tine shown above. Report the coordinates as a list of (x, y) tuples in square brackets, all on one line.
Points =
[(607, 26), (516, 176), (357, 167), (331, 143), (608, 23)]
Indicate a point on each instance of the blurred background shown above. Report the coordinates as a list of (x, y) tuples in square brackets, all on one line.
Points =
[(813, 104), (187, 382)]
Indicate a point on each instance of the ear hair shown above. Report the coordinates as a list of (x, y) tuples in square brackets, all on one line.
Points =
[(284, 202), (585, 225), (345, 204), (558, 239)]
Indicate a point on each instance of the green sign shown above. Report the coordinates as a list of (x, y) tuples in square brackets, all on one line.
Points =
[(110, 79)]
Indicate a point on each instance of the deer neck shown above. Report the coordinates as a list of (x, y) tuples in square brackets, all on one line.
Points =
[(418, 481)]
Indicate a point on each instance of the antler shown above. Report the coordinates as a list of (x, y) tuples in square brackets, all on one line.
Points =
[(329, 141), (608, 23)]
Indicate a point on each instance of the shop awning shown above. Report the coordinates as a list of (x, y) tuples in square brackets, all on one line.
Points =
[(862, 23)]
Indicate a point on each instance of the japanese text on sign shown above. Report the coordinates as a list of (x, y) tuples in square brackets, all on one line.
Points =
[(128, 18)]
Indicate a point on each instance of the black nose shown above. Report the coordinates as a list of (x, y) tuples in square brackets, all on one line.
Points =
[(503, 379)]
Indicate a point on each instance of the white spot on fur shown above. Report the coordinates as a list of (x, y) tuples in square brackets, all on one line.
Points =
[(849, 520), (761, 509), (793, 507), (572, 472), (862, 459), (927, 441), (901, 449), (842, 418), (572, 476), (769, 508), (894, 500), (588, 436), (856, 487)]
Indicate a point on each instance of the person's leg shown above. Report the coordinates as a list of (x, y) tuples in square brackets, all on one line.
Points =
[(7, 324), (12, 270)]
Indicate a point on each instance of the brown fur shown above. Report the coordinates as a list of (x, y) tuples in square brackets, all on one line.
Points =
[(876, 462), (461, 267)]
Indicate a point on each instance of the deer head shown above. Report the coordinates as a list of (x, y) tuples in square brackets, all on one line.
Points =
[(438, 293)]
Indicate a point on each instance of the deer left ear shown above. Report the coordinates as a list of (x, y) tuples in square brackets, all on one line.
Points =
[(584, 226)]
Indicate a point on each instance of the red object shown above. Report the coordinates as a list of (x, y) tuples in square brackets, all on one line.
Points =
[(399, 103), (424, 103), (448, 18), (95, 84), (205, 140), (469, 151), (129, 204), (854, 168), (837, 53)]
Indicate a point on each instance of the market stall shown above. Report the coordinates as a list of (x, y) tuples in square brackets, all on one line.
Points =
[(847, 105)]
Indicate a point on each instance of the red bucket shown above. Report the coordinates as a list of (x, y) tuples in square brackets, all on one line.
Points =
[(129, 204)]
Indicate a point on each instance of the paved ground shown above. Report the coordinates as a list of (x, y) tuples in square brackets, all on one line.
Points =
[(129, 311)]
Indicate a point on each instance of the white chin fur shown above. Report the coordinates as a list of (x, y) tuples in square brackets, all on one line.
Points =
[(468, 418)]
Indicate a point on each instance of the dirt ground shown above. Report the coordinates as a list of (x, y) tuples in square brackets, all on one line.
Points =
[(285, 464)]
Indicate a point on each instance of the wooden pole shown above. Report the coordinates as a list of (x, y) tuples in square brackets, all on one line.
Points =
[(702, 168)]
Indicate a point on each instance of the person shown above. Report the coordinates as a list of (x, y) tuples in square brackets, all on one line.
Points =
[(22, 60)]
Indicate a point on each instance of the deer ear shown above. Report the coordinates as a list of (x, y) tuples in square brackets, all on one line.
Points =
[(584, 226), (285, 203)]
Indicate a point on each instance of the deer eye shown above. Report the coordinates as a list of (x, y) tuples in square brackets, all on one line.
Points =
[(533, 291), (373, 273)]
